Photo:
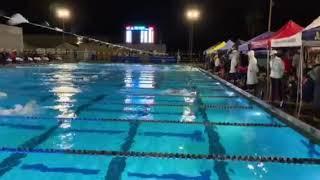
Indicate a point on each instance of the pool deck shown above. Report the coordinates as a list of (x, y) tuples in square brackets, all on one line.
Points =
[(305, 129)]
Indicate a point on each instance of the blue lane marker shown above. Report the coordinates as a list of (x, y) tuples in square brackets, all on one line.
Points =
[(195, 136), (204, 175), (66, 170), (23, 126)]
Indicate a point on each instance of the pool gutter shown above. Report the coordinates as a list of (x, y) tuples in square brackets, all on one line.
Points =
[(305, 129)]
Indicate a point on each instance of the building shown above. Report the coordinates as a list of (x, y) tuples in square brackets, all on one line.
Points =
[(11, 37)]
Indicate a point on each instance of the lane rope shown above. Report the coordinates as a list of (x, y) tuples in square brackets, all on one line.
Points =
[(275, 125), (215, 157)]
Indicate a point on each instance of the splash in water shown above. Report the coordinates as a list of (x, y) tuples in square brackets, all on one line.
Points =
[(180, 92), (31, 108), (3, 95)]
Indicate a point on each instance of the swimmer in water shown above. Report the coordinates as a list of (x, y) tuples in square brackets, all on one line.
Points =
[(182, 92)]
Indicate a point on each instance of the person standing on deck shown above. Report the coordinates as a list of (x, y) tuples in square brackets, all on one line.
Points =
[(277, 69), (252, 79), (296, 63), (233, 66), (2, 56), (178, 57), (314, 74), (217, 64)]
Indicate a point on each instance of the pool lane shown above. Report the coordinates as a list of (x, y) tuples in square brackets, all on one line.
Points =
[(64, 166), (170, 138)]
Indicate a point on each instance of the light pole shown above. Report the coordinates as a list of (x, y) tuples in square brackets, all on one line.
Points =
[(192, 16), (268, 59), (63, 14), (270, 15)]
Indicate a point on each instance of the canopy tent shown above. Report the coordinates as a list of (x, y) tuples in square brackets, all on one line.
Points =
[(296, 39), (288, 30), (312, 32), (310, 39), (229, 45), (311, 35), (241, 41), (245, 46), (314, 24), (215, 48)]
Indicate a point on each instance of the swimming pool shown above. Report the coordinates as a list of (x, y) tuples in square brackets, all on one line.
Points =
[(116, 121)]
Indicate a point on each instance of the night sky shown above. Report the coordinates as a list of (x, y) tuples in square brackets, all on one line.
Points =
[(221, 19)]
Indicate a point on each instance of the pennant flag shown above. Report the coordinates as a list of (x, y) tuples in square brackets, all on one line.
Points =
[(17, 19), (46, 24), (58, 29)]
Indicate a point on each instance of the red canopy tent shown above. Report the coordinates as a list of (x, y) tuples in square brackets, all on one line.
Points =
[(289, 29)]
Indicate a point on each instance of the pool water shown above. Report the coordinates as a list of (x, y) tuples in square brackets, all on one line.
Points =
[(50, 112)]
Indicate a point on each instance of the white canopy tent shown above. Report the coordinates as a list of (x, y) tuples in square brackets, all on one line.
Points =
[(296, 39)]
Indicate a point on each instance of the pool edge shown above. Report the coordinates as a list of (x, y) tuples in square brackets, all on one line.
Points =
[(302, 127)]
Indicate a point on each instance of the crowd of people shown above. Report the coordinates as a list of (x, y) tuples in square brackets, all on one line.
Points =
[(13, 57), (244, 71)]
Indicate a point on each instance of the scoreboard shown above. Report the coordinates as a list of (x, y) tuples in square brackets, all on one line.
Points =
[(139, 34)]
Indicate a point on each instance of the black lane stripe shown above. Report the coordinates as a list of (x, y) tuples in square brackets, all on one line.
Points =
[(216, 157), (14, 159), (211, 123)]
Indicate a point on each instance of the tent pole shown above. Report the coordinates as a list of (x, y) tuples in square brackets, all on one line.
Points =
[(301, 79), (268, 72)]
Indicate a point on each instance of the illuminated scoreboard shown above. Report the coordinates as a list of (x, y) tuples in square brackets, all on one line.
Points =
[(140, 34)]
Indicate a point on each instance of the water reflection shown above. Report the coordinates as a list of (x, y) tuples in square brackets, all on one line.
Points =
[(145, 79), (65, 90)]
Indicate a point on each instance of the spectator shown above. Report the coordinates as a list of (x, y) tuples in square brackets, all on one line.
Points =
[(242, 70), (2, 56), (13, 55), (277, 70), (217, 63), (296, 63), (178, 57), (252, 79), (287, 63), (314, 74), (207, 61), (233, 65)]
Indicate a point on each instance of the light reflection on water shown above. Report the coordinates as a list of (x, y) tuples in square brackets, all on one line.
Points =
[(65, 93)]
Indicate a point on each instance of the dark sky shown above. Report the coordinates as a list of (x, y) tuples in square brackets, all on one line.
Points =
[(221, 19)]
